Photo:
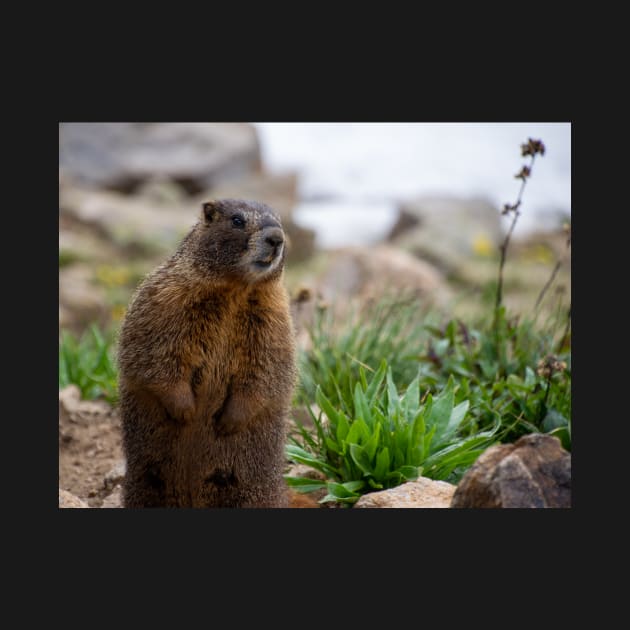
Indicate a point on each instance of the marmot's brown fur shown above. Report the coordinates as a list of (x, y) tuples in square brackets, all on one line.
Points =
[(207, 367)]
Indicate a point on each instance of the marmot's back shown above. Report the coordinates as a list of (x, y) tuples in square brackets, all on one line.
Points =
[(207, 367)]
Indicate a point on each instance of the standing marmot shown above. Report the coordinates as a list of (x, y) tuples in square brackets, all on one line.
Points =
[(207, 367)]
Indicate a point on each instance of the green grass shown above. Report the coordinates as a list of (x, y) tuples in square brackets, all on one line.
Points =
[(386, 329), (89, 363)]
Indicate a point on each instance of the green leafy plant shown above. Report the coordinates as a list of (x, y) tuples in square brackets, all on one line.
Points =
[(518, 380), (380, 439), (89, 363)]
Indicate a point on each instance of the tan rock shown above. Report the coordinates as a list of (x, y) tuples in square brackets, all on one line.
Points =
[(81, 301), (370, 271), (74, 410), (421, 493), (69, 500), (130, 221)]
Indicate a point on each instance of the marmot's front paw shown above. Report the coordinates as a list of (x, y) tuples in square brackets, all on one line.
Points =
[(233, 418)]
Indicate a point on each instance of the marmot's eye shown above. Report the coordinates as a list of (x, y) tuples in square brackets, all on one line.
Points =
[(238, 221)]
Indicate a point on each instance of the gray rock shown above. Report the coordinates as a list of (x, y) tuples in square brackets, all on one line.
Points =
[(534, 472), (69, 500), (122, 155), (447, 230), (130, 222), (421, 493)]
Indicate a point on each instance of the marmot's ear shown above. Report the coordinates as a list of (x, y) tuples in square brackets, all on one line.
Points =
[(209, 210)]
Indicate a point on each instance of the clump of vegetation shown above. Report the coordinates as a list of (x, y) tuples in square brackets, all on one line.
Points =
[(513, 375), (380, 438), (89, 363)]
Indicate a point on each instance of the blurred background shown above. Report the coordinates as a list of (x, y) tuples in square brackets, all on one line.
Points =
[(365, 205)]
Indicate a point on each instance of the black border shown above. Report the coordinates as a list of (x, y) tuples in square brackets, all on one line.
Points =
[(255, 535)]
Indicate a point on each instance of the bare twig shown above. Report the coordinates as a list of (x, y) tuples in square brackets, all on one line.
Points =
[(559, 263), (532, 147)]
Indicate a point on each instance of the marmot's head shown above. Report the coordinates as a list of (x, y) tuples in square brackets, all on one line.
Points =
[(238, 239)]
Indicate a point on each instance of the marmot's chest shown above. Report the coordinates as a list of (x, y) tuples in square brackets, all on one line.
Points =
[(224, 341)]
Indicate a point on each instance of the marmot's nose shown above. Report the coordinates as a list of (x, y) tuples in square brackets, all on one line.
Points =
[(274, 236)]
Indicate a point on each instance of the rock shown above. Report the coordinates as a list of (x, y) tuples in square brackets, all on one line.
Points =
[(447, 230), (534, 472), (113, 500), (369, 271), (74, 410), (81, 243), (81, 301), (120, 156), (69, 500), (116, 475), (162, 191), (134, 223), (421, 493)]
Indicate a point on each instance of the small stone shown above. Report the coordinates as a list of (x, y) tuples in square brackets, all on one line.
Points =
[(116, 475), (421, 493), (69, 500)]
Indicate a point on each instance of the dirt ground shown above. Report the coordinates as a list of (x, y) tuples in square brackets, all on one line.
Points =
[(90, 446)]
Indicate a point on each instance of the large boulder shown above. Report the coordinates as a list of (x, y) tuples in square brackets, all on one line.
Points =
[(130, 222), (421, 493), (368, 272), (123, 155), (447, 230), (534, 472)]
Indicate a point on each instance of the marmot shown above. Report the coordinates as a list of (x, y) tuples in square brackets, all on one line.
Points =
[(207, 367)]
